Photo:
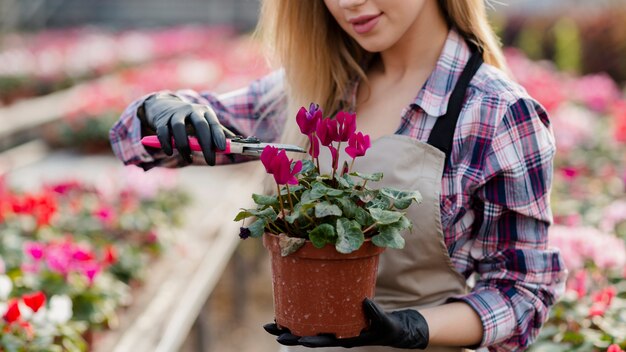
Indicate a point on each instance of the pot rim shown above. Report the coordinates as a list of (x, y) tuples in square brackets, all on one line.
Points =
[(329, 252)]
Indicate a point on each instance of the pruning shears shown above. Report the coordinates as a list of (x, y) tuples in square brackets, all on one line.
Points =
[(238, 145)]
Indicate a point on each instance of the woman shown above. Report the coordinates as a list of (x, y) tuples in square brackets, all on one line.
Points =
[(426, 80)]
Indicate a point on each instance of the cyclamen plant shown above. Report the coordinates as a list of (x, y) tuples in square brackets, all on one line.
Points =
[(340, 208)]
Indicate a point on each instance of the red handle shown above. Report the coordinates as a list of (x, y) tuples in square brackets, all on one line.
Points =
[(153, 141)]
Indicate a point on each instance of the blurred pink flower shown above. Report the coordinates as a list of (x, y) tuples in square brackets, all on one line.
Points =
[(580, 244), (619, 120), (613, 214), (597, 91), (578, 283), (34, 249), (572, 126), (91, 269), (106, 214), (614, 348), (540, 79)]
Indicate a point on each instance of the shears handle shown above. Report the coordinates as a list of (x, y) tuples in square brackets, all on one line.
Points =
[(153, 141)]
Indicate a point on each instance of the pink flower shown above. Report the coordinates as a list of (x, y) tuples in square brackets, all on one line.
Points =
[(91, 270), (358, 145), (347, 125), (276, 163), (605, 295), (335, 156), (597, 91), (267, 156), (614, 348), (82, 254), (327, 131), (619, 116), (597, 309), (307, 120), (34, 249), (578, 283), (314, 149), (105, 214), (283, 172)]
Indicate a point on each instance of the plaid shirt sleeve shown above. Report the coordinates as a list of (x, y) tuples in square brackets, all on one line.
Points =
[(518, 276), (254, 110)]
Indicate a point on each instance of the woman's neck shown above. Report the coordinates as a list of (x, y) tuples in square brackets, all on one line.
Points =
[(419, 49)]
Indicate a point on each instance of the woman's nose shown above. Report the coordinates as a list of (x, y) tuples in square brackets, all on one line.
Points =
[(351, 3)]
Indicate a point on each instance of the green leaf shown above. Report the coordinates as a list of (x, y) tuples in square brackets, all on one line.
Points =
[(305, 198), (319, 190), (243, 215), (350, 236), (268, 214), (370, 177), (348, 207), (365, 196), (363, 217), (257, 228), (323, 234), (344, 181), (380, 202), (385, 217), (262, 199), (299, 210), (388, 236), (292, 189), (402, 204), (402, 199), (294, 215), (326, 209), (307, 167)]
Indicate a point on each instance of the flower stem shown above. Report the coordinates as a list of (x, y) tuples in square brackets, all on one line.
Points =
[(289, 197), (280, 198), (336, 166), (369, 228), (351, 165)]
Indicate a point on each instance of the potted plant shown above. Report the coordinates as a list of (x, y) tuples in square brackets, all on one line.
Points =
[(325, 231)]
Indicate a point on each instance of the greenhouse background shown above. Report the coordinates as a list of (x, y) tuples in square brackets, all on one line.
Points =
[(103, 257)]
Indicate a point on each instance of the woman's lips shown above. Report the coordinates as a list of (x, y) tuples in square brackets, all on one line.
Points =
[(364, 24)]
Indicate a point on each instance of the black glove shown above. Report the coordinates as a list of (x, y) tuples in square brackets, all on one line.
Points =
[(401, 329), (167, 115)]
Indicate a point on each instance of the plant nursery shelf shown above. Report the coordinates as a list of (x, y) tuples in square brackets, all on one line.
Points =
[(168, 302)]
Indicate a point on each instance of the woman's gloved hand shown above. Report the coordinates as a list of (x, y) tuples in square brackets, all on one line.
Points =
[(400, 329), (168, 116)]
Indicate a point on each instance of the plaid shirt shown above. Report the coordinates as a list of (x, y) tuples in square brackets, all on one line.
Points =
[(495, 207)]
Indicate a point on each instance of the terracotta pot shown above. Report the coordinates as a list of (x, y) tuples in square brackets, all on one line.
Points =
[(321, 290)]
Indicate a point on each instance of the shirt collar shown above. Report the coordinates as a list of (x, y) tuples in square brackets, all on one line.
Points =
[(433, 97)]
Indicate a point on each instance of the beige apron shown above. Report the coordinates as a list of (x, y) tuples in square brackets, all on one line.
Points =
[(420, 275)]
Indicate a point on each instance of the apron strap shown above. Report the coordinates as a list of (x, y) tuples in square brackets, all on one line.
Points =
[(442, 134)]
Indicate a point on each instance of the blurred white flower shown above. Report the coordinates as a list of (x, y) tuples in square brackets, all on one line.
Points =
[(6, 286), (60, 309)]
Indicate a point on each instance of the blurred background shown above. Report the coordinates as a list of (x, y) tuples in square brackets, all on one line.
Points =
[(125, 260)]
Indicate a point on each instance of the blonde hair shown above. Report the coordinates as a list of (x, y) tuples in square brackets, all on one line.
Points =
[(323, 74)]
